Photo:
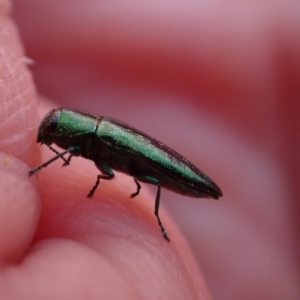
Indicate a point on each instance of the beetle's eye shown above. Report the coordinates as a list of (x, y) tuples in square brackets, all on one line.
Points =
[(50, 122), (51, 126), (48, 127)]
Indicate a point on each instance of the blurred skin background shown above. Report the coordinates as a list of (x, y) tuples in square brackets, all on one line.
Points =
[(216, 81)]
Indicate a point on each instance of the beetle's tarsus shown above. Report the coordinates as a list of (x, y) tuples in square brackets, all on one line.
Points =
[(31, 172), (166, 236)]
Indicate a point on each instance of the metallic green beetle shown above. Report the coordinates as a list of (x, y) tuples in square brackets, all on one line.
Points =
[(112, 144)]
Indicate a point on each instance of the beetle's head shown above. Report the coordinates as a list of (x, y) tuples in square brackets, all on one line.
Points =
[(48, 126)]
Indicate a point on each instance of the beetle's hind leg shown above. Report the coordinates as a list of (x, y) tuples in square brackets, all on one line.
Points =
[(108, 174), (157, 201), (151, 180)]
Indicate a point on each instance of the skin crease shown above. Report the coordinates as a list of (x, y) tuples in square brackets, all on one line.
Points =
[(226, 67)]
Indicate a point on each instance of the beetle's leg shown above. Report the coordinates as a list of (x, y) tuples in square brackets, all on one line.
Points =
[(157, 200), (108, 175), (138, 189), (67, 161), (151, 180), (74, 150)]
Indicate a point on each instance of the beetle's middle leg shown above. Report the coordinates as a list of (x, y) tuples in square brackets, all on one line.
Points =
[(152, 180), (138, 186), (108, 174)]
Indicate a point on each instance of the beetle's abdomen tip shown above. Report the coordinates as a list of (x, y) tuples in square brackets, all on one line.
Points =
[(217, 193), (219, 196)]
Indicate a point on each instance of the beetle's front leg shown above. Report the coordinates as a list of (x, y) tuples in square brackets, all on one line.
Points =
[(67, 161), (74, 151), (71, 150), (108, 174)]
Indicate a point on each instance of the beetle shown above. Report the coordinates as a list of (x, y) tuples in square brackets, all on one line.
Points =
[(112, 144)]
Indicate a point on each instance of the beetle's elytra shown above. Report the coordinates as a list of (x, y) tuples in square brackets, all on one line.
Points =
[(114, 145)]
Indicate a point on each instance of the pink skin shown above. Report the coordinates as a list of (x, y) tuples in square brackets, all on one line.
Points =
[(219, 83)]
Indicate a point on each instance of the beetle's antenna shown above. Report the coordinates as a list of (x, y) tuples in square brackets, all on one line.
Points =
[(44, 165)]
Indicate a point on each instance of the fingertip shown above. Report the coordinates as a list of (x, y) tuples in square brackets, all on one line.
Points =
[(126, 232), (19, 208)]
